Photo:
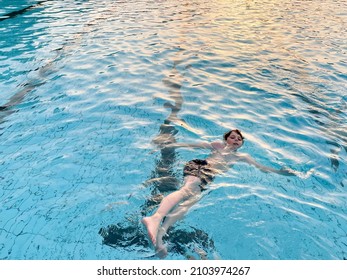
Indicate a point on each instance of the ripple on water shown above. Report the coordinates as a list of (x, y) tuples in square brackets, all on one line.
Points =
[(85, 86)]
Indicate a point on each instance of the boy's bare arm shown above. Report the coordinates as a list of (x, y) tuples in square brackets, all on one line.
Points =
[(201, 145), (283, 171)]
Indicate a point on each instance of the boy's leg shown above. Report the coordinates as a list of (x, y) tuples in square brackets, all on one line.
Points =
[(167, 204), (177, 214)]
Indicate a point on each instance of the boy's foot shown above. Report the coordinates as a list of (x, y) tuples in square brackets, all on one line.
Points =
[(160, 248), (152, 226), (161, 251)]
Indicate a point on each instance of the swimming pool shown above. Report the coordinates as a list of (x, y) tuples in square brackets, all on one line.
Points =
[(87, 89)]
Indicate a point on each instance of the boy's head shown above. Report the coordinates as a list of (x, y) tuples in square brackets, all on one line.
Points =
[(234, 137)]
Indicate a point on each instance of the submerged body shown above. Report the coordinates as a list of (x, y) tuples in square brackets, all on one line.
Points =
[(197, 174)]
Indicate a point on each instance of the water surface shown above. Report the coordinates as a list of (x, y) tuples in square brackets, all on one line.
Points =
[(87, 89)]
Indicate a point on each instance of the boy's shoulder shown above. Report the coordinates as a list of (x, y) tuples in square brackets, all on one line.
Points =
[(217, 145), (244, 157)]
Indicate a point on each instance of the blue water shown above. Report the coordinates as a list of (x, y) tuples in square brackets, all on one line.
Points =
[(85, 88)]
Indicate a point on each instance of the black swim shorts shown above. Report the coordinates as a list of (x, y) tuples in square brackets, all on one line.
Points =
[(201, 169)]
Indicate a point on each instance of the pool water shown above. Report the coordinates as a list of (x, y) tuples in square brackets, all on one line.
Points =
[(89, 88)]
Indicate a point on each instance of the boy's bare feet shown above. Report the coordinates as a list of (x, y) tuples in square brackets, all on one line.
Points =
[(152, 225), (160, 248), (161, 252)]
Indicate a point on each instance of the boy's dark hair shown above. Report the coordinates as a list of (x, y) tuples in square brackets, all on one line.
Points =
[(226, 135)]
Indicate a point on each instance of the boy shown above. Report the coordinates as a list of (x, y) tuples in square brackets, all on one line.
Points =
[(197, 174)]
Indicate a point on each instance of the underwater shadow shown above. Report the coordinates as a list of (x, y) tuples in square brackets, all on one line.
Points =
[(190, 242)]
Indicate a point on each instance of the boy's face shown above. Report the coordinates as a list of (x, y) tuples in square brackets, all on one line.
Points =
[(234, 140)]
